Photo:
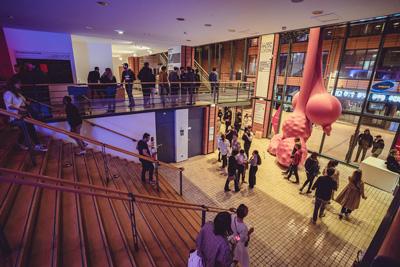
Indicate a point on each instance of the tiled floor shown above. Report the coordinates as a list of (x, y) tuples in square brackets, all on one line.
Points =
[(281, 216)]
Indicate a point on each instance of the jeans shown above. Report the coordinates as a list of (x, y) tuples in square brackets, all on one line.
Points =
[(146, 96), (252, 176), (147, 166), (364, 152), (246, 148), (241, 172), (32, 136), (128, 88), (77, 130), (309, 181), (319, 208), (294, 170), (111, 92), (236, 181), (224, 161)]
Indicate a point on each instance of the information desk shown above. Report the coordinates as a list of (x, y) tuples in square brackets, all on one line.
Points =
[(376, 174)]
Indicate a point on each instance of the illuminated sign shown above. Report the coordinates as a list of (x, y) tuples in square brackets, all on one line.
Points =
[(384, 86), (350, 94), (378, 97), (394, 98)]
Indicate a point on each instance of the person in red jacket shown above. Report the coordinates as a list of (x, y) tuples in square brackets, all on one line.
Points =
[(295, 163)]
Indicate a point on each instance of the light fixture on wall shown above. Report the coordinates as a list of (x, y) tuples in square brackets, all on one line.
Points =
[(120, 32)]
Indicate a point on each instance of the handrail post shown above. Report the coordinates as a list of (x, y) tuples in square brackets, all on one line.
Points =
[(156, 174), (180, 180), (237, 92), (106, 169), (203, 215), (133, 221), (28, 142)]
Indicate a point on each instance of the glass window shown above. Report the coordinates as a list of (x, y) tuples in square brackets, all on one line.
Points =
[(297, 64), (351, 99), (324, 61), (389, 65), (374, 28), (252, 65), (358, 64), (394, 26), (302, 37), (282, 64), (253, 42)]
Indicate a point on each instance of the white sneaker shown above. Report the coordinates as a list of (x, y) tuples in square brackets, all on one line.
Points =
[(40, 148)]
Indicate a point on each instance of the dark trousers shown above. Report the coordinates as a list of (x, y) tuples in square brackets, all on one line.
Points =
[(252, 176), (164, 91), (294, 170), (31, 131), (224, 161), (236, 181), (364, 152), (146, 96), (219, 156), (128, 88), (246, 148), (241, 171), (345, 211), (147, 166), (309, 181), (111, 93), (319, 208)]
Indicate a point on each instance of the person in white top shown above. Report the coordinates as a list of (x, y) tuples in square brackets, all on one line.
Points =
[(224, 148), (241, 159), (242, 234), (15, 103)]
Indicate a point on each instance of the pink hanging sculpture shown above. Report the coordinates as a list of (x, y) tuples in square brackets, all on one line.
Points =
[(311, 105)]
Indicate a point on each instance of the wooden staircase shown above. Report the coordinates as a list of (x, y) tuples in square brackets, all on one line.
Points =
[(46, 227)]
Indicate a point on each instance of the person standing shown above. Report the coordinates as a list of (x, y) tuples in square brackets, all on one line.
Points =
[(350, 196), (163, 84), (174, 81), (227, 118), (335, 176), (238, 121), (197, 80), (324, 187), (255, 161), (296, 142), (377, 146), (15, 103), (190, 83), (235, 145), (147, 166), (75, 122), (220, 114), (241, 159), (128, 77), (391, 162), (293, 169), (147, 80), (224, 147), (247, 139), (110, 88), (182, 78), (212, 243), (312, 170), (229, 134), (364, 143), (93, 79), (232, 172), (213, 79), (240, 229)]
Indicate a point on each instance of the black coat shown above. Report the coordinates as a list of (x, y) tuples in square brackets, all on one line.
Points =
[(146, 76)]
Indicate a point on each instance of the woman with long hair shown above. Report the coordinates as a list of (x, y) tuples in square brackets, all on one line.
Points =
[(255, 160), (110, 89), (350, 196)]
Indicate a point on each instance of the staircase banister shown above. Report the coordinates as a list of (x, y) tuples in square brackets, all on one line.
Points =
[(123, 195), (108, 129)]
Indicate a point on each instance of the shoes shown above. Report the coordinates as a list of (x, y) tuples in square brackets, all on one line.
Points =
[(308, 192), (295, 182), (227, 190), (23, 147), (285, 177), (313, 222), (340, 216), (81, 153), (40, 148), (244, 182), (322, 215)]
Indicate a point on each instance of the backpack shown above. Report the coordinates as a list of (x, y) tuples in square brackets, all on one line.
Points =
[(258, 160)]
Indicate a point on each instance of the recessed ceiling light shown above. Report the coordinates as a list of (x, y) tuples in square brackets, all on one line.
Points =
[(185, 33), (180, 19), (297, 1), (231, 30), (89, 28), (102, 3), (317, 12), (10, 17), (207, 25), (135, 55), (284, 28), (188, 40), (120, 32)]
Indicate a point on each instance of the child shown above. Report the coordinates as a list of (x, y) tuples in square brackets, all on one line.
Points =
[(312, 170)]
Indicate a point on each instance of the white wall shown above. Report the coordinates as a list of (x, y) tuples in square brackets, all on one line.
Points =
[(88, 55), (181, 134), (38, 44), (133, 125), (117, 62)]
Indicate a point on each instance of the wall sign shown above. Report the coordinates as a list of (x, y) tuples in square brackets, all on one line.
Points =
[(259, 112), (384, 86), (174, 57), (264, 64)]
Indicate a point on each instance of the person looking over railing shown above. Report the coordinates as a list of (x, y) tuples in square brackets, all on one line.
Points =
[(110, 88), (182, 78), (174, 81), (128, 77), (147, 79), (197, 84), (15, 102), (75, 122), (147, 166), (190, 83), (164, 86), (94, 77), (213, 79)]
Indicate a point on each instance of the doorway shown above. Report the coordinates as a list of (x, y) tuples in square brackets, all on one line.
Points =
[(195, 131), (165, 131)]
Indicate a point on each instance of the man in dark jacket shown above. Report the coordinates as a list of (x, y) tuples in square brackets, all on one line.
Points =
[(197, 84), (324, 185), (182, 78), (94, 77), (213, 79), (128, 77), (377, 146), (147, 166), (75, 122), (147, 79), (190, 83), (312, 170), (173, 78), (247, 139), (232, 172), (364, 143)]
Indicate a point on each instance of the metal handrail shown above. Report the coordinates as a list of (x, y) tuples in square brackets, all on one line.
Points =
[(108, 129)]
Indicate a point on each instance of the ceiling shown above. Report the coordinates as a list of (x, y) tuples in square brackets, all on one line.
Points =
[(153, 23)]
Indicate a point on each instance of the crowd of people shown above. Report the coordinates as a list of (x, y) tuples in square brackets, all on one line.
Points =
[(365, 141), (180, 85)]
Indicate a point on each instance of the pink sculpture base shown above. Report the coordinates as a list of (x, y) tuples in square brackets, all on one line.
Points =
[(284, 151)]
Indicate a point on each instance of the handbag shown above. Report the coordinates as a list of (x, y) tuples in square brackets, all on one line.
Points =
[(195, 260)]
